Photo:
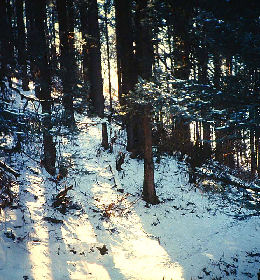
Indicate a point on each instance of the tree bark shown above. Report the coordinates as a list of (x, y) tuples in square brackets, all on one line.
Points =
[(203, 65), (253, 153), (40, 63), (21, 43), (182, 15), (124, 43), (108, 58), (41, 72), (95, 72), (149, 192), (49, 148), (217, 70), (67, 59), (206, 140), (6, 40), (104, 144), (144, 46), (85, 48)]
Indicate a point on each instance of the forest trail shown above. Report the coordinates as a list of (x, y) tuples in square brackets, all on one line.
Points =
[(108, 232), (100, 237)]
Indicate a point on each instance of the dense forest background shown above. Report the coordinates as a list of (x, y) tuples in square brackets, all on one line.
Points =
[(191, 69)]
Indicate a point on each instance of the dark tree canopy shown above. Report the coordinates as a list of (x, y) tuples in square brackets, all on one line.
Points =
[(195, 63)]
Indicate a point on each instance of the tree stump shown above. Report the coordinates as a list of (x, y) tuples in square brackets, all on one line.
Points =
[(104, 143)]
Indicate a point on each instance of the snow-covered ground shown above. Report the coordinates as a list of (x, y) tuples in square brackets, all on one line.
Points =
[(109, 232)]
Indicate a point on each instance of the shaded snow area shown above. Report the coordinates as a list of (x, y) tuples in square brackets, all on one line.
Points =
[(107, 232)]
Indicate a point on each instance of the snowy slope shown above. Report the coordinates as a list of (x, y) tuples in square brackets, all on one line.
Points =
[(108, 232)]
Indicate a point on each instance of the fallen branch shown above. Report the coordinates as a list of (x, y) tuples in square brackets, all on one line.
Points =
[(9, 169), (60, 198)]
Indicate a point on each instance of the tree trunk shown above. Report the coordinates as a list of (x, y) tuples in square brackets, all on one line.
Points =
[(135, 134), (169, 41), (41, 70), (217, 70), (49, 149), (104, 144), (21, 43), (229, 66), (203, 65), (252, 114), (95, 72), (258, 149), (85, 48), (219, 150), (144, 46), (182, 15), (6, 40), (149, 193), (67, 59), (124, 45), (30, 27), (182, 136), (108, 58), (206, 140)]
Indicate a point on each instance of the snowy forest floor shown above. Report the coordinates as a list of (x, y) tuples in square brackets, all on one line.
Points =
[(106, 231)]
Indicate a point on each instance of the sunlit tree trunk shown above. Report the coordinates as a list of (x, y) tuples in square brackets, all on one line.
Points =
[(229, 66), (108, 55), (52, 34), (169, 41), (156, 51), (30, 27), (83, 30)]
